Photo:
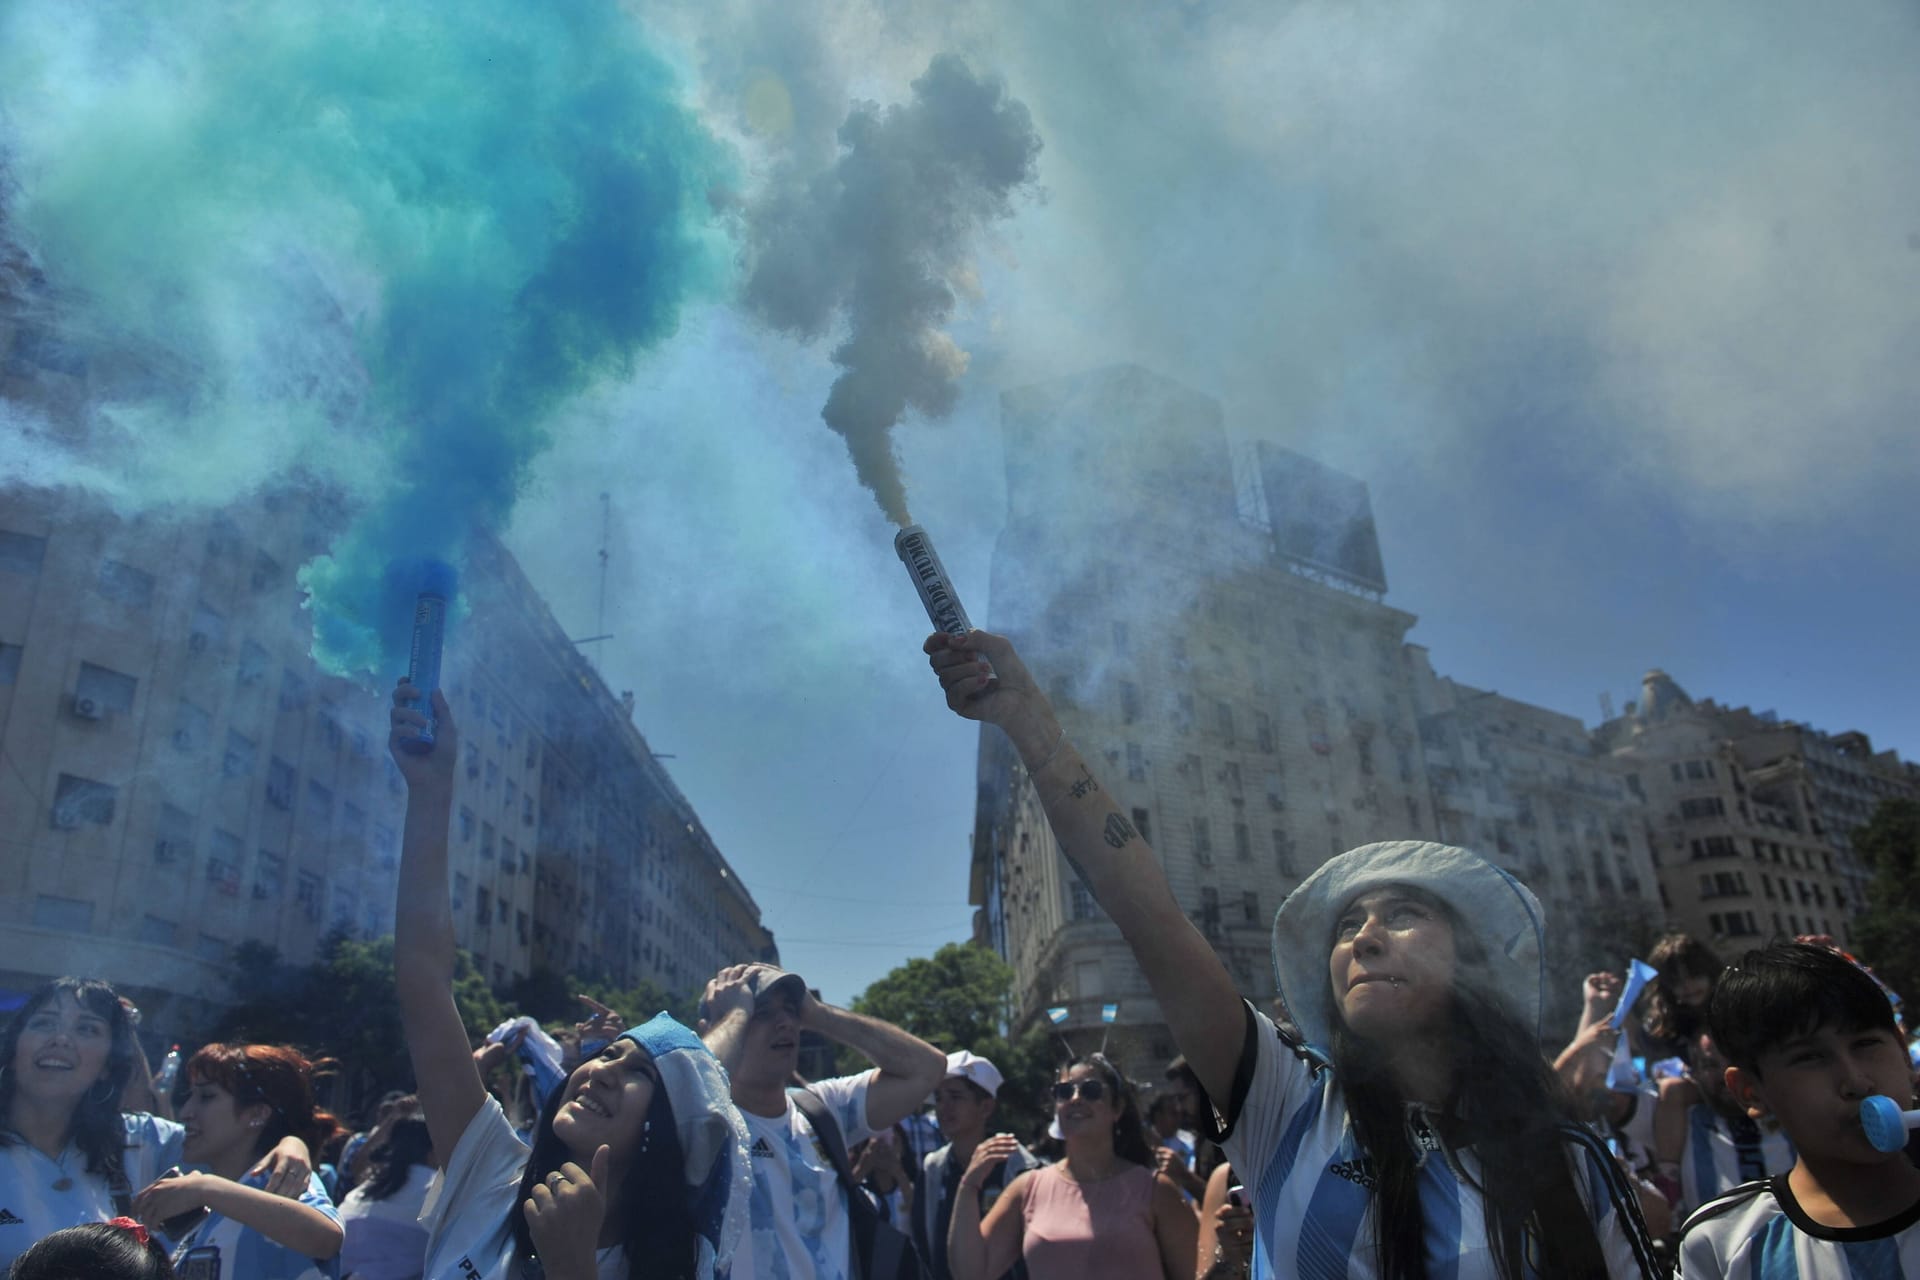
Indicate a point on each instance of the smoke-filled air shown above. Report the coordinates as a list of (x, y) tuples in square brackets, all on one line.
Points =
[(372, 246), (1484, 423)]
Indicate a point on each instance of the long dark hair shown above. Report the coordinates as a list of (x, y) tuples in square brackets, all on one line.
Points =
[(1129, 1131), (408, 1144), (1676, 953), (1508, 1106), (659, 1237), (98, 1130), (97, 1250), (277, 1075)]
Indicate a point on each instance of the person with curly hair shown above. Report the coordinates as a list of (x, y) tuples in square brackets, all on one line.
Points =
[(68, 1154)]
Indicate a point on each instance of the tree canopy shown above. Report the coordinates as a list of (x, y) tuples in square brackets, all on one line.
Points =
[(1889, 929)]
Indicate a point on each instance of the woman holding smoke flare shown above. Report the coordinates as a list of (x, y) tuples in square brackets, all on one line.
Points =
[(242, 1099), (1101, 1211), (1412, 1128), (68, 1154), (638, 1165)]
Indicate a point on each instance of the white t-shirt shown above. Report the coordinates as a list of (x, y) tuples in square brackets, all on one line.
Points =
[(385, 1240), (466, 1214), (30, 1206), (800, 1226)]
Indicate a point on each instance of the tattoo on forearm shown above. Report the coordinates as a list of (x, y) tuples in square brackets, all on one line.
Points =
[(1119, 831), (1086, 784)]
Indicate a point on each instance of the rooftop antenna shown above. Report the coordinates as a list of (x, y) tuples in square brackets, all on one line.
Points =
[(600, 633), (600, 616)]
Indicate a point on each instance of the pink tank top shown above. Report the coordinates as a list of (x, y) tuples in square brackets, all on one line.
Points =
[(1075, 1230)]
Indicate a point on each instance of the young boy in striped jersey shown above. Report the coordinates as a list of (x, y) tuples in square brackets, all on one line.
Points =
[(1808, 1035)]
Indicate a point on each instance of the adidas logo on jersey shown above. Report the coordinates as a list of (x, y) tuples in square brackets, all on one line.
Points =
[(762, 1149), (8, 1218), (1354, 1171)]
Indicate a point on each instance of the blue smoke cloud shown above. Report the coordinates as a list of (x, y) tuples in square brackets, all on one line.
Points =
[(377, 245)]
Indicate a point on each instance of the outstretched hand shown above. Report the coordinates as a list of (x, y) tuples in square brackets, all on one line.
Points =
[(564, 1215)]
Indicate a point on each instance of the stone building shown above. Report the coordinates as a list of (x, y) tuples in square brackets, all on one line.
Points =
[(1224, 653), (1525, 786), (177, 776), (1751, 818)]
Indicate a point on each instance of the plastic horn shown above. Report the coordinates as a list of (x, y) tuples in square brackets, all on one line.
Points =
[(1886, 1124), (1638, 977)]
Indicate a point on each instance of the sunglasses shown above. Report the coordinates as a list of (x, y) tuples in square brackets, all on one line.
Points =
[(1091, 1090)]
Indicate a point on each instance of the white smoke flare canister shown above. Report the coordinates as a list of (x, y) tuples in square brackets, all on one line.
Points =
[(930, 579)]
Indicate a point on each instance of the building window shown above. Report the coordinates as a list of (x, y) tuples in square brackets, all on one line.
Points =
[(123, 584), (1263, 731), (210, 949), (1129, 701), (78, 801), (1250, 906), (156, 932), (1196, 776), (482, 905), (1202, 842), (1210, 911), (254, 664), (269, 875), (343, 908), (1282, 852), (319, 807), (21, 552), (486, 841), (1141, 824), (280, 783), (172, 835), (1183, 713), (1703, 807), (1223, 714), (192, 727), (1242, 842), (466, 825), (307, 891), (68, 915), (240, 756), (1136, 763), (293, 691), (102, 691)]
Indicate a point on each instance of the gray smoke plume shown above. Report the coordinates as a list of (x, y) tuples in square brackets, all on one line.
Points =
[(882, 238)]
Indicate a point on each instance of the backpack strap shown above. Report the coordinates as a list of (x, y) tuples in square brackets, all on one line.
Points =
[(827, 1129)]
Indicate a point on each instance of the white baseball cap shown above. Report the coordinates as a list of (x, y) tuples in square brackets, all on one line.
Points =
[(974, 1069)]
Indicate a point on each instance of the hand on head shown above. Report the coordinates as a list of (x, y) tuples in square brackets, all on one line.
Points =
[(731, 989)]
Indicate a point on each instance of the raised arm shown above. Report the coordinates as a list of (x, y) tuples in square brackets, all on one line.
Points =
[(979, 1250), (423, 948), (910, 1068), (1195, 992)]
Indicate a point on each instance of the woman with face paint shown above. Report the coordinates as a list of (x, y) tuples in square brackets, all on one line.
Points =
[(241, 1100), (68, 1154), (638, 1165), (1412, 1127)]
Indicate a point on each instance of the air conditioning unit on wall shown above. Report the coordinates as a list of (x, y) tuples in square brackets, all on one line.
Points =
[(88, 709)]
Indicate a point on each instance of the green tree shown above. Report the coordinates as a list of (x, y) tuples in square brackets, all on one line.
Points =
[(1889, 928), (552, 999), (959, 998), (342, 1006)]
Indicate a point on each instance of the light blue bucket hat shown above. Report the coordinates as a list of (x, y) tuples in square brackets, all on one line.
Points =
[(1498, 911)]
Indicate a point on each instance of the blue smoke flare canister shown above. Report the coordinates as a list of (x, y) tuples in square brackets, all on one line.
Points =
[(429, 634), (930, 579)]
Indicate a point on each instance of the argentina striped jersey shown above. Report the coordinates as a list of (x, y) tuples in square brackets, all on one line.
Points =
[(1758, 1231), (1722, 1153), (1287, 1135)]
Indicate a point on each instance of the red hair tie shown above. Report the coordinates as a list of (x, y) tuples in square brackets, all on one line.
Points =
[(128, 1224)]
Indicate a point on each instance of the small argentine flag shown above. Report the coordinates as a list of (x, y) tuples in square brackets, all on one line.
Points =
[(1058, 1014), (1108, 1012)]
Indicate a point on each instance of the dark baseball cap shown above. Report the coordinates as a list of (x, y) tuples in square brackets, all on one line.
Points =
[(770, 984)]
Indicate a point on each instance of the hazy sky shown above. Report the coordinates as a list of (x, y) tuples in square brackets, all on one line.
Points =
[(1614, 309)]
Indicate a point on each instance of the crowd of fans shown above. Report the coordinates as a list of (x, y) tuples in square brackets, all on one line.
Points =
[(1392, 1115)]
